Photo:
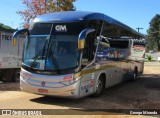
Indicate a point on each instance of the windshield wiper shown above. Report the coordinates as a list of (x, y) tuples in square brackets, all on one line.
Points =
[(37, 56), (53, 58), (54, 61)]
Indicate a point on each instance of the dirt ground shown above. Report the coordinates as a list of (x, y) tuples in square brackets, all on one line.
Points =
[(9, 86)]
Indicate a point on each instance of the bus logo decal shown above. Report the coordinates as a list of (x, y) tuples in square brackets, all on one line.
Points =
[(85, 87), (43, 84), (61, 28)]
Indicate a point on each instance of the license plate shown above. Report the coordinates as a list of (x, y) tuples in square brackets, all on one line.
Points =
[(42, 90)]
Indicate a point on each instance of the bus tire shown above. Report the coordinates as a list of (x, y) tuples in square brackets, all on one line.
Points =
[(99, 87), (0, 76), (135, 74), (6, 75), (16, 75)]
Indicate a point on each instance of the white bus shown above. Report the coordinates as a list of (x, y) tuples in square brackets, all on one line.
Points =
[(75, 54)]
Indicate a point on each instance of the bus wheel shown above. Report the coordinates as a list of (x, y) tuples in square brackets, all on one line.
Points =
[(16, 75), (99, 87), (134, 78)]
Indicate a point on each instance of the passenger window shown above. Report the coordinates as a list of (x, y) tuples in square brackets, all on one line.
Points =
[(120, 48), (89, 50), (112, 50), (114, 31), (90, 42), (119, 44), (102, 53)]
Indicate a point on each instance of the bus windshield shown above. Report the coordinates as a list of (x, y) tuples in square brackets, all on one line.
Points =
[(46, 49)]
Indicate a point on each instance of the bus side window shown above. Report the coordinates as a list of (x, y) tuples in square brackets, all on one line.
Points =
[(103, 48), (90, 45), (120, 48), (89, 50)]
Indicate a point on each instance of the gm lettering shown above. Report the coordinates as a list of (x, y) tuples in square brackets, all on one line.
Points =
[(61, 28)]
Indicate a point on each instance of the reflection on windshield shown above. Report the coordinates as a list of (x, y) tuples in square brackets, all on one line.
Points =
[(60, 53)]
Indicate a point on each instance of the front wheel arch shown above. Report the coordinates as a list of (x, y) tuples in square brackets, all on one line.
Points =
[(100, 85)]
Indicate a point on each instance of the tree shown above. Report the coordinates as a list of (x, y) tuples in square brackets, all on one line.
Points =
[(38, 7), (154, 32), (6, 28)]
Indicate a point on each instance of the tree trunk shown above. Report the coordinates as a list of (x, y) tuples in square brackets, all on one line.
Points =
[(158, 44)]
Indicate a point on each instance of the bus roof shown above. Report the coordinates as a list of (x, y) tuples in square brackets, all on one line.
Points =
[(73, 16)]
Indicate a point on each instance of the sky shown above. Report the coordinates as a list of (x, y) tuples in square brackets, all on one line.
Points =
[(134, 13)]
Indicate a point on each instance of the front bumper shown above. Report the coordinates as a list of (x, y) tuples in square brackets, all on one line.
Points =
[(53, 85), (71, 91)]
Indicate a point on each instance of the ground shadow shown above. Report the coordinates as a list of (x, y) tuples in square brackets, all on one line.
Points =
[(127, 95)]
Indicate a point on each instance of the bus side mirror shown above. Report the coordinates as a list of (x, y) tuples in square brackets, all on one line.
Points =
[(14, 37), (22, 31), (82, 37), (104, 42)]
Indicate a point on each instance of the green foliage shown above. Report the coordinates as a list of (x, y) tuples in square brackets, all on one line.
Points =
[(154, 33), (151, 44), (151, 61), (149, 57), (6, 28)]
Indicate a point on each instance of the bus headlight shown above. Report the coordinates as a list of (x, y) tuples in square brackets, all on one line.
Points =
[(23, 77), (69, 82), (76, 76)]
